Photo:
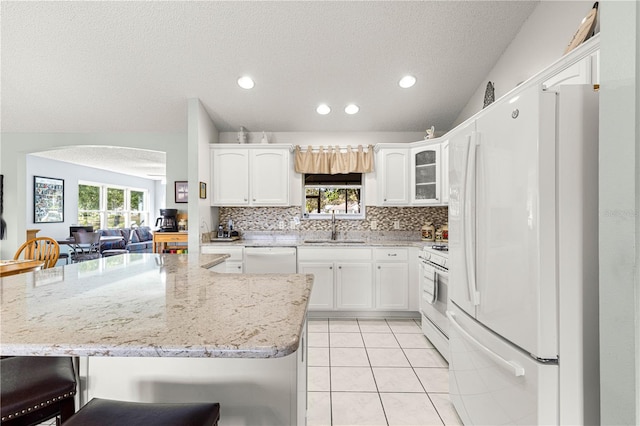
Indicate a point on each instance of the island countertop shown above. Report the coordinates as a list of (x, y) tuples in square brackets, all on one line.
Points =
[(152, 305)]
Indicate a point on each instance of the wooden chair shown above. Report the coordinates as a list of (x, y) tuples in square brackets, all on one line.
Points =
[(40, 248)]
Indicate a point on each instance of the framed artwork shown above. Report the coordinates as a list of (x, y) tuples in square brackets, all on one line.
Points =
[(182, 192), (48, 200), (203, 190)]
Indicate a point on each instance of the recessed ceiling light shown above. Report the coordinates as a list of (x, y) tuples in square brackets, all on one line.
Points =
[(246, 82), (351, 109), (407, 81), (323, 109)]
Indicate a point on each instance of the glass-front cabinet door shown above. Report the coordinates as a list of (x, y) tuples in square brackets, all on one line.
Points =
[(425, 175)]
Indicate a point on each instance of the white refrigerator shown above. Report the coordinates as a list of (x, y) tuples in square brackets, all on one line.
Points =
[(523, 256)]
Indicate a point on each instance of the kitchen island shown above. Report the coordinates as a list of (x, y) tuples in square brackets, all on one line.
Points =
[(152, 327)]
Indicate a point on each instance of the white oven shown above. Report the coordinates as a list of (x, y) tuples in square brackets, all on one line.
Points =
[(434, 297)]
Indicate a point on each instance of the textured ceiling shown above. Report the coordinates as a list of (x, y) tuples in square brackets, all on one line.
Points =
[(130, 161), (131, 66)]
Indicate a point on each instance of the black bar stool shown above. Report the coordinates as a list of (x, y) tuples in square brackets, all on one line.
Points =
[(35, 389), (107, 412)]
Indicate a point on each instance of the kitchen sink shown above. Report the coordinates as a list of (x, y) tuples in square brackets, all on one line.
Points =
[(334, 241)]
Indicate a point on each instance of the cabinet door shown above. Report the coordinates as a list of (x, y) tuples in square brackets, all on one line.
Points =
[(578, 73), (354, 285), (270, 177), (444, 174), (392, 284), (425, 173), (322, 292), (393, 177), (230, 177)]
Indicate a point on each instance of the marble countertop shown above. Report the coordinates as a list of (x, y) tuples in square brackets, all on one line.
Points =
[(320, 242), (152, 305)]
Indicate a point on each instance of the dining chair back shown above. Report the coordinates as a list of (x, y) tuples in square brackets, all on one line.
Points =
[(40, 248), (86, 246)]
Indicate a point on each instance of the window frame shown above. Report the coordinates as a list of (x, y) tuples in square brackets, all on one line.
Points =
[(103, 212), (361, 215)]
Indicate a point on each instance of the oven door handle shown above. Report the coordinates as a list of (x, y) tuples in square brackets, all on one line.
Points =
[(431, 283), (513, 367)]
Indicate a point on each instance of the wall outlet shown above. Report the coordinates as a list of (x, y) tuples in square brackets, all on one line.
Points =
[(374, 224), (292, 224), (396, 224), (281, 224)]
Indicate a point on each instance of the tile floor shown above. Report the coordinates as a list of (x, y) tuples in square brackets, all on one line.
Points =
[(375, 372)]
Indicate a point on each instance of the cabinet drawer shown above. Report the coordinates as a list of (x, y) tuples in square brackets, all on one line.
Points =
[(235, 253), (342, 254), (392, 254)]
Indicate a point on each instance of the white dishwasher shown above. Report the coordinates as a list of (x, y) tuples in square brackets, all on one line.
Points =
[(270, 260)]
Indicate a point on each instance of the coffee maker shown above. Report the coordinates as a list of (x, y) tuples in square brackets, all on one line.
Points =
[(167, 222)]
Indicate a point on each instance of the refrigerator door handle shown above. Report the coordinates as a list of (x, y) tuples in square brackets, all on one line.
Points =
[(469, 218), (511, 366)]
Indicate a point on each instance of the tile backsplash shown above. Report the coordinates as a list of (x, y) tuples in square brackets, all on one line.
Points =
[(248, 220)]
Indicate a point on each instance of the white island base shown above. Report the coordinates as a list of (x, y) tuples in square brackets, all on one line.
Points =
[(251, 391)]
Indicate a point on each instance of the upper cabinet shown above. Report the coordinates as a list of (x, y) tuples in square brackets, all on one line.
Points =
[(247, 176), (393, 176), (426, 164), (584, 71), (413, 174)]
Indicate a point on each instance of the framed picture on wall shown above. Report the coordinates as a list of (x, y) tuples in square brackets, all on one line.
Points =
[(48, 200), (203, 190), (182, 192)]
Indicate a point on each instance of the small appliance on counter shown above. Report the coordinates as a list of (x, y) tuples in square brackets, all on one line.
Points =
[(167, 222), (182, 222)]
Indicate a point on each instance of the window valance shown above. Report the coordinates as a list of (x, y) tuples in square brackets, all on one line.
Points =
[(333, 160)]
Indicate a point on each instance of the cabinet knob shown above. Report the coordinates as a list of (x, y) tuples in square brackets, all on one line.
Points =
[(330, 267), (245, 199), (254, 199), (379, 267), (339, 267)]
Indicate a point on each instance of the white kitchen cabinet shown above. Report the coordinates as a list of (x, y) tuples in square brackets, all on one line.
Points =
[(343, 278), (584, 71), (426, 175), (391, 273), (233, 264), (229, 177), (354, 286), (393, 176), (250, 176), (323, 284), (269, 172)]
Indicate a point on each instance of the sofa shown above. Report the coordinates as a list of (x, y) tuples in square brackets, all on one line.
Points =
[(134, 240)]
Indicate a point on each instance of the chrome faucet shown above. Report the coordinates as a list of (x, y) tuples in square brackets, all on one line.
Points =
[(333, 225)]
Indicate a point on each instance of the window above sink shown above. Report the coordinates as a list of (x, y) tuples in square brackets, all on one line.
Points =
[(325, 193)]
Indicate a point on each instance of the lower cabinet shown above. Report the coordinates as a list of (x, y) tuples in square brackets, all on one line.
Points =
[(391, 269), (322, 293), (357, 278), (354, 286), (390, 294)]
